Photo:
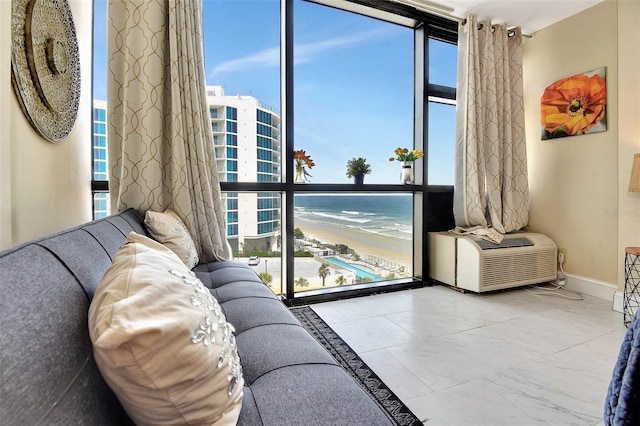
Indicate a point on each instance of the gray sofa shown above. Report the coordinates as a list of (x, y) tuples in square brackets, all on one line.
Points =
[(48, 374)]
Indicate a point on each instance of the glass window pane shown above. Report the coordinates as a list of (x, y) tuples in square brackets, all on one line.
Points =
[(100, 204), (99, 83), (100, 53), (99, 141), (442, 137), (443, 63), (360, 237), (243, 84), (253, 229), (354, 91)]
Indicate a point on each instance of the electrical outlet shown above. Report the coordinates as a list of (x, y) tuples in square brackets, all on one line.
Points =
[(562, 255)]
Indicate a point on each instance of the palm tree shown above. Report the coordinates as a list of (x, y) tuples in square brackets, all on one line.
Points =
[(302, 282), (323, 272), (341, 280), (266, 278)]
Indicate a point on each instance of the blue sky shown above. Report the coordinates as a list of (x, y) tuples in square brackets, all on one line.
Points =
[(353, 82)]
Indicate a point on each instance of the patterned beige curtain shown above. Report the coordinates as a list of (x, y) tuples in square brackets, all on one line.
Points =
[(491, 187), (160, 141)]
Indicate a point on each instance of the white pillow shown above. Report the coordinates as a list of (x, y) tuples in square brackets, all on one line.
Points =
[(171, 231), (161, 340)]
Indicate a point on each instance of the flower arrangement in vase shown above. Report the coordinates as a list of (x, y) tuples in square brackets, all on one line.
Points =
[(302, 160), (407, 158)]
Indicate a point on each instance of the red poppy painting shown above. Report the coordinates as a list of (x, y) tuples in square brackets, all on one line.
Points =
[(575, 105)]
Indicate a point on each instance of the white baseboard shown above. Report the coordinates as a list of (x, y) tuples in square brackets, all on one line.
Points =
[(617, 301), (593, 287)]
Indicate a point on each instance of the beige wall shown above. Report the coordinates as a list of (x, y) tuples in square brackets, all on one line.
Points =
[(629, 126), (44, 187), (578, 196), (5, 123)]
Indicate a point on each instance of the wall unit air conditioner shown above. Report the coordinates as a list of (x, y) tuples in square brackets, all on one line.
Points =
[(471, 263)]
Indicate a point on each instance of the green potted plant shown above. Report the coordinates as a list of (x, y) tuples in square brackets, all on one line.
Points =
[(357, 168)]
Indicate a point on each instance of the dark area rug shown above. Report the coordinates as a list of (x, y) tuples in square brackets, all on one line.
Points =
[(354, 365)]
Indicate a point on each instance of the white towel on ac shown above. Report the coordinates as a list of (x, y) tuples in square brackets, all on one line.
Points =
[(485, 232)]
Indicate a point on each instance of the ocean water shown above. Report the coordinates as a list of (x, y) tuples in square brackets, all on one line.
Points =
[(382, 214)]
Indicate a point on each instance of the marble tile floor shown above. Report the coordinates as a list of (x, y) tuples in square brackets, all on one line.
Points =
[(503, 358)]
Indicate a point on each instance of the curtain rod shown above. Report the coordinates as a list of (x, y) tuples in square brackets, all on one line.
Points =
[(510, 31)]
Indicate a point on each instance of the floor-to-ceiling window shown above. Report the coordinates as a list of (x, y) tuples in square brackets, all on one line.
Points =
[(339, 83), (242, 67), (99, 139), (353, 96), (442, 111), (355, 82)]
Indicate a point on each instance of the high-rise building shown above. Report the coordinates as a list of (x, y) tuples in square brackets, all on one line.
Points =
[(100, 171), (246, 135)]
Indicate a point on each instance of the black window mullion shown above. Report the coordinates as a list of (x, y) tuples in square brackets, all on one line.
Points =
[(439, 91), (428, 26), (421, 64), (288, 138)]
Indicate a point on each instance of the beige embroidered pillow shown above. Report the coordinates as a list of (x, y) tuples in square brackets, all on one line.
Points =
[(171, 231), (162, 342)]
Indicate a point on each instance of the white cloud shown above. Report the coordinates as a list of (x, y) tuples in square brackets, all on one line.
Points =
[(263, 59), (307, 52), (303, 52)]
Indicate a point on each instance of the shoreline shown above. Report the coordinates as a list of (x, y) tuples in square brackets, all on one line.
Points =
[(365, 244)]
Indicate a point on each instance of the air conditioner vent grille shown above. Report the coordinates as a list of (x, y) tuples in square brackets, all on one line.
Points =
[(519, 267), (506, 243)]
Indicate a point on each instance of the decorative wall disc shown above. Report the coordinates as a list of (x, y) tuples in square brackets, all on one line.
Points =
[(45, 65)]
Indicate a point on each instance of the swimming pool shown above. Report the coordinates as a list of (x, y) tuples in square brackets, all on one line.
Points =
[(360, 272)]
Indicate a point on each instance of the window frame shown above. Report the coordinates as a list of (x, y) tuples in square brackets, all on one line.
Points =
[(425, 26)]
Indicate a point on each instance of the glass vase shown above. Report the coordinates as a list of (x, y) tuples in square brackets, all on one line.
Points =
[(299, 177), (406, 173)]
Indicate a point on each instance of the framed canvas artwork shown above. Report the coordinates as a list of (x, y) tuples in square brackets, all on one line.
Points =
[(575, 105)]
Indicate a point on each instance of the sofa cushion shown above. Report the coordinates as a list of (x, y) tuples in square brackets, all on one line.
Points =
[(45, 351), (161, 340), (314, 394), (264, 311), (169, 229), (127, 221), (286, 345), (74, 248), (232, 279)]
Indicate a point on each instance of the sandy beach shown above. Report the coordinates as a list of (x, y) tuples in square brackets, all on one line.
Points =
[(364, 243)]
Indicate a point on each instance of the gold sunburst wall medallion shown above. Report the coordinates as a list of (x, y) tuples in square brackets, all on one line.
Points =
[(45, 65)]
